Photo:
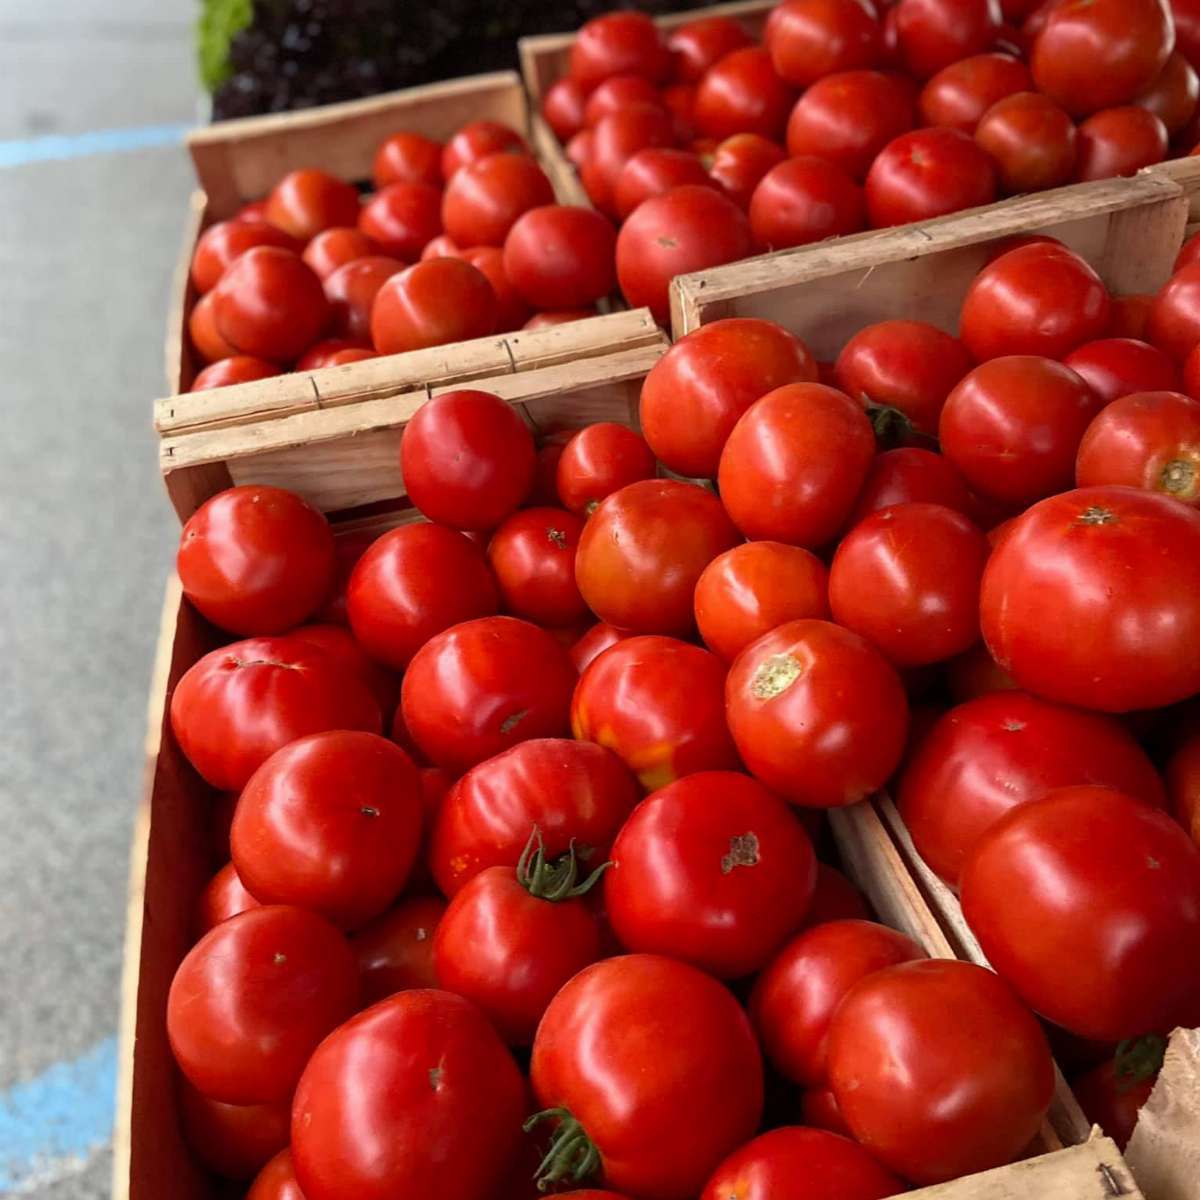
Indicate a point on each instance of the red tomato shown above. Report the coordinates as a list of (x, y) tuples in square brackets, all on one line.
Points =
[(338, 642), (794, 464), (442, 247), (433, 303), (1129, 316), (1112, 1094), (819, 1110), (563, 107), (511, 310), (682, 1081), (478, 139), (694, 395), (1100, 934), (616, 138), (1013, 427), (1174, 321), (1117, 366), (599, 460), (395, 951), (561, 257), (1094, 54), (233, 1140), (593, 642), (928, 173), (237, 705), (1146, 440), (910, 475), (680, 101), (305, 202), (712, 870), (739, 162), (1183, 785), (743, 94), (802, 729), (253, 998), (277, 1180), (407, 158), (572, 792), (532, 555), (482, 686), (437, 1114), (910, 366), (700, 44), (467, 459), (269, 304), (618, 43), (754, 588), (1173, 95), (657, 703), (932, 34), (976, 673), (618, 91), (809, 39), (935, 1099), (224, 896), (653, 171), (960, 93), (333, 352), (511, 938), (1120, 569), (805, 200), (907, 579), (801, 1161), (1001, 750), (351, 290), (848, 118), (544, 320), (226, 241), (1186, 15), (643, 549), (1032, 142), (483, 200), (210, 346), (835, 898), (1119, 141), (333, 248), (240, 368), (412, 583), (401, 218)]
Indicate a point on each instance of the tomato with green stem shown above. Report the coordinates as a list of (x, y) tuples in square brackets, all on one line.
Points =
[(1112, 1094)]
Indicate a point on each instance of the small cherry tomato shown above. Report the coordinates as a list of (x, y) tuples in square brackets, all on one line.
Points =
[(805, 200), (810, 39), (599, 460), (433, 303), (742, 93), (532, 555), (351, 290), (395, 951), (618, 43), (739, 162), (561, 257), (226, 241), (239, 368), (476, 140), (401, 218), (1033, 142), (407, 158)]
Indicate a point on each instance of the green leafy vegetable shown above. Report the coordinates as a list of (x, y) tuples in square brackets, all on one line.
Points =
[(216, 26)]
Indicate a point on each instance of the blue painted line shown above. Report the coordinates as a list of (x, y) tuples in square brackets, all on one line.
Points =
[(58, 1118), (19, 152)]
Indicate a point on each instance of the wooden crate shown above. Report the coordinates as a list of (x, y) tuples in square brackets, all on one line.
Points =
[(1129, 229)]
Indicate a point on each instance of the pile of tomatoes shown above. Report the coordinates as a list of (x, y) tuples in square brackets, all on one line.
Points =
[(458, 241), (521, 805), (855, 114)]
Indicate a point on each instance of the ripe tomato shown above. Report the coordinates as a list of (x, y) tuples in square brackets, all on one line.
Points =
[(835, 898), (1001, 750), (543, 320), (906, 365), (618, 43), (512, 937), (932, 34), (442, 246), (277, 1180), (1146, 440), (848, 118), (809, 39), (208, 343), (680, 101), (959, 94), (910, 475), (572, 792), (1183, 785), (252, 999), (616, 138), (907, 579), (682, 1084), (712, 870), (1119, 366), (1112, 1094), (801, 1161), (754, 588), (686, 229), (395, 951), (240, 368), (693, 396), (412, 583), (223, 897), (437, 1114), (563, 107), (794, 463), (467, 459), (928, 173), (480, 687), (233, 1140), (819, 1110), (1174, 321), (433, 303), (1173, 95), (618, 91), (226, 241), (351, 290), (1119, 141), (698, 45), (511, 310), (484, 199), (1013, 427), (333, 352), (561, 257), (934, 1099), (532, 555), (739, 162), (599, 460), (805, 200), (339, 644), (801, 729), (407, 158), (333, 248), (742, 93), (478, 139), (305, 202), (269, 304), (593, 642), (401, 218), (1120, 569), (1032, 142), (1095, 54), (657, 703), (237, 705), (653, 171), (1100, 934)]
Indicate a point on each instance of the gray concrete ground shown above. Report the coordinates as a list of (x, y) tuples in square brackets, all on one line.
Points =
[(86, 248)]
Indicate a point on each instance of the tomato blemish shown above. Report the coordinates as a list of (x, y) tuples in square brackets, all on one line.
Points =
[(775, 676), (1096, 515), (743, 852), (511, 722)]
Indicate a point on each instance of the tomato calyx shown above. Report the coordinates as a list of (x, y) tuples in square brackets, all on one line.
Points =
[(893, 427), (1096, 514), (553, 880), (1178, 478), (572, 1155), (1137, 1060)]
